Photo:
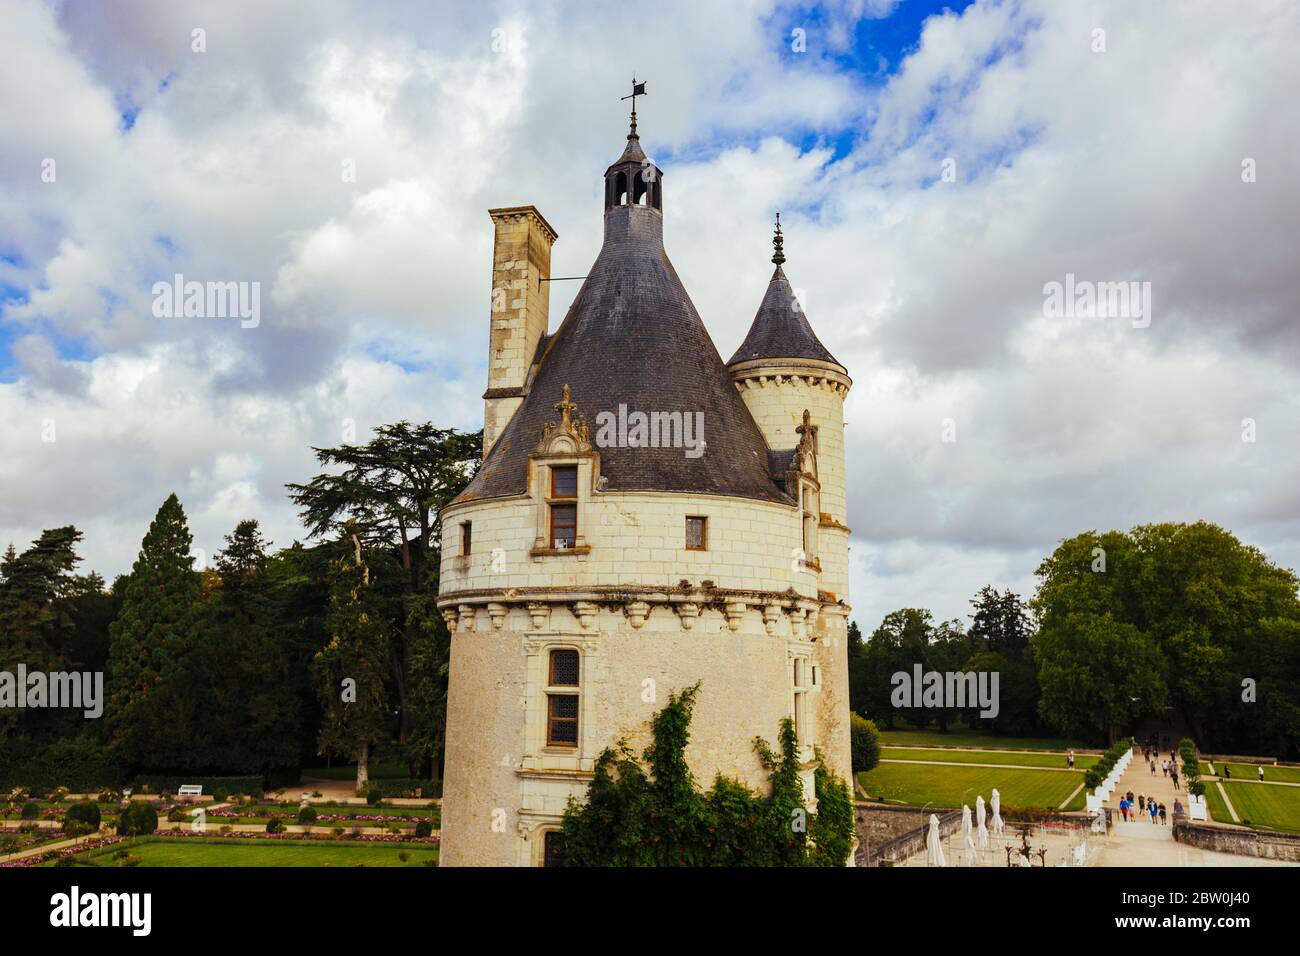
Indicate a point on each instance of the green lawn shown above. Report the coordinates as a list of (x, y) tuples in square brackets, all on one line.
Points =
[(1214, 803), (188, 851), (963, 738), (1265, 807), (1025, 758), (1247, 771), (952, 785)]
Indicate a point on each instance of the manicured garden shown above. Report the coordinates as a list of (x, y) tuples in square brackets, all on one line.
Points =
[(1250, 771), (163, 851), (1022, 758), (964, 738), (1261, 805), (952, 784)]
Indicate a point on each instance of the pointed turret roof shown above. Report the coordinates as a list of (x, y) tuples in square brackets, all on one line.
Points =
[(633, 338), (780, 329)]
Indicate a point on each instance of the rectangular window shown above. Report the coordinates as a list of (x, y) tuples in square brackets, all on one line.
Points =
[(564, 481), (564, 526), (466, 536), (798, 695), (697, 533), (563, 672), (564, 669), (562, 720)]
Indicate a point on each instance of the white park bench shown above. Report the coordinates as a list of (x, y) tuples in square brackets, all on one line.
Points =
[(190, 790)]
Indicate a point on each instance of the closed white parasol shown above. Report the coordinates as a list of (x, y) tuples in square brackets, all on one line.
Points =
[(933, 846), (997, 815), (967, 838), (981, 831)]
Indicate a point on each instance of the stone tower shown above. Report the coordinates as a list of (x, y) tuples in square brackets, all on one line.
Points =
[(637, 525), (792, 383)]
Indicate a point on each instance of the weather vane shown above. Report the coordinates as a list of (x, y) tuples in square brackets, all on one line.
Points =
[(638, 89)]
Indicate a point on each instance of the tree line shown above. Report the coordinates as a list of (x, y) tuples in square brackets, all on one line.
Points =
[(265, 661), (1171, 621)]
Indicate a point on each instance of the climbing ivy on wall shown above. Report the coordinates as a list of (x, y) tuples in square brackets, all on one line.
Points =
[(655, 814)]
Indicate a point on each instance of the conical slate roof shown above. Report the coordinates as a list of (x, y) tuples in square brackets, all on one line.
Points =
[(780, 329), (632, 337)]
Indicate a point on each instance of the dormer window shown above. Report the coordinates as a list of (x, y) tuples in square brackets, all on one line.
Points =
[(564, 506)]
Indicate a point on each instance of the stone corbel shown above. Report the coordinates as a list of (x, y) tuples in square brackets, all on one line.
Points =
[(585, 612), (689, 613), (637, 612), (771, 616), (452, 617), (539, 613), (797, 621), (466, 617), (735, 614), (498, 614)]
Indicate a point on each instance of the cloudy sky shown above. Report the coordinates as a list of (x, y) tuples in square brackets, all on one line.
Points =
[(935, 167)]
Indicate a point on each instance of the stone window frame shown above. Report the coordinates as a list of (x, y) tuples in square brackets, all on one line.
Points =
[(553, 690), (538, 754), (801, 662), (809, 520), (540, 490)]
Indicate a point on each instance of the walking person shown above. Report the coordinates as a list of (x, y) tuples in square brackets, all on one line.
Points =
[(1261, 773), (1069, 759), (1164, 767), (1227, 772), (1153, 767), (1142, 803), (1173, 775), (1162, 814), (1123, 809), (1151, 809)]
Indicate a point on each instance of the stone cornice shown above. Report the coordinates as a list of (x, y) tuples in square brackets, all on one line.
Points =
[(761, 373), (486, 610)]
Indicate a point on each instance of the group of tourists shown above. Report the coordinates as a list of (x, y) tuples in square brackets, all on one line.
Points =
[(1144, 806), (1168, 765)]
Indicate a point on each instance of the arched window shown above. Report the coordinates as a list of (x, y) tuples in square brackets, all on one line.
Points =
[(639, 189), (656, 201), (620, 189)]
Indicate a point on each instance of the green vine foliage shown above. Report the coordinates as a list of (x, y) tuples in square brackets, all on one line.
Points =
[(634, 816)]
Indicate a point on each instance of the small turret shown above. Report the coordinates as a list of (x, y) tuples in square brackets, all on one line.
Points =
[(795, 390)]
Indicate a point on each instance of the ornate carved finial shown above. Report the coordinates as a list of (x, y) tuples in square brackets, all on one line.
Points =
[(778, 243), (805, 454), (570, 427), (565, 406)]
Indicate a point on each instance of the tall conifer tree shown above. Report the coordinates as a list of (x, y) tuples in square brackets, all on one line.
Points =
[(150, 643)]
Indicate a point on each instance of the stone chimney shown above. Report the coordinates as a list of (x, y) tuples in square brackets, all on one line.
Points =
[(521, 270)]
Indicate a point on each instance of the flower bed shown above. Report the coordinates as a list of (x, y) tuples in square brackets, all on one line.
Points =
[(107, 841)]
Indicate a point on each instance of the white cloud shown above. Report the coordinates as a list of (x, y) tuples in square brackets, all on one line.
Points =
[(1111, 166)]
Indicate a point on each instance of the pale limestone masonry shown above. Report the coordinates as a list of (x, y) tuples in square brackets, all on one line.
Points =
[(758, 616), (521, 291)]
